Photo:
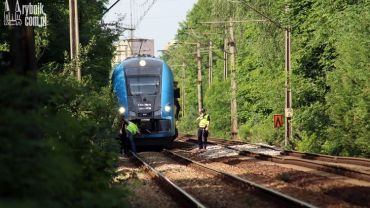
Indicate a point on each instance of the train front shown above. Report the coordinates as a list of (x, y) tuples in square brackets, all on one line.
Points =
[(144, 88)]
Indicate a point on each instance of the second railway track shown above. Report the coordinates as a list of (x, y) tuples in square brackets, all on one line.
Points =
[(351, 167), (316, 187)]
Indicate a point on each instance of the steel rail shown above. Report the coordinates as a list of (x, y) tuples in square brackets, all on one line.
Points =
[(278, 197), (331, 168), (306, 155), (336, 169), (179, 194), (335, 159)]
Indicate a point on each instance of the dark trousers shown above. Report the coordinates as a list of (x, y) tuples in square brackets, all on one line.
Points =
[(127, 142), (132, 142), (120, 139), (178, 108), (202, 138), (124, 144)]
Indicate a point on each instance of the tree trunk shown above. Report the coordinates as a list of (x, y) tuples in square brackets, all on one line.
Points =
[(22, 44)]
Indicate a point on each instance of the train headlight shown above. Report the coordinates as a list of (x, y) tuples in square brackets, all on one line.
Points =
[(142, 62), (167, 108), (121, 110)]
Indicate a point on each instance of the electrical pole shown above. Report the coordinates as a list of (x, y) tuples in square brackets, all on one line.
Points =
[(288, 90), (233, 105), (210, 64), (225, 55), (131, 21), (183, 89), (200, 96), (74, 36)]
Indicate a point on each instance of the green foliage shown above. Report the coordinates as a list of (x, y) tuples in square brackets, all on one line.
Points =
[(58, 149), (4, 47), (349, 98), (217, 101), (330, 79), (311, 123), (187, 123), (58, 146)]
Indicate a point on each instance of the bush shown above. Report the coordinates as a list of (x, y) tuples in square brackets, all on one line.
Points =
[(217, 103), (57, 148)]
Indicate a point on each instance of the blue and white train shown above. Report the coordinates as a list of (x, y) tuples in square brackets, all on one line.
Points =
[(145, 92)]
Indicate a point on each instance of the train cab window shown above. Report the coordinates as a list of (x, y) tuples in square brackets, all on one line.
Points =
[(143, 85)]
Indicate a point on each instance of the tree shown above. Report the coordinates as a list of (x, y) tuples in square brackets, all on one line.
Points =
[(330, 71), (349, 97)]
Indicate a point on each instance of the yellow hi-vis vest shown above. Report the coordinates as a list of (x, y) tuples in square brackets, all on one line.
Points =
[(204, 121), (132, 128)]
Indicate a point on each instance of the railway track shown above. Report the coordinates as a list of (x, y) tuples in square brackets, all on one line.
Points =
[(358, 168), (335, 159), (190, 198), (183, 198)]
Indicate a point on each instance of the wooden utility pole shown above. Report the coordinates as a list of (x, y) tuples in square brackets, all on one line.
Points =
[(225, 55), (210, 64), (200, 95), (183, 89), (233, 105), (74, 36), (288, 90), (131, 20)]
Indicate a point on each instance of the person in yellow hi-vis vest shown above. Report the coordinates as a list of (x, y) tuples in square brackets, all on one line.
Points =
[(204, 121), (131, 131)]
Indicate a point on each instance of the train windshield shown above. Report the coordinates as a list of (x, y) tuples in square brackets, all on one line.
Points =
[(143, 85)]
